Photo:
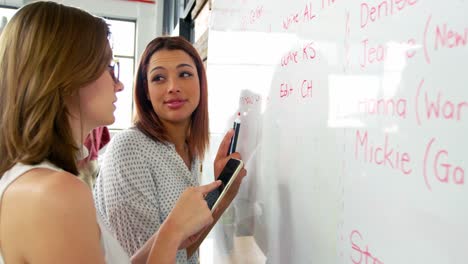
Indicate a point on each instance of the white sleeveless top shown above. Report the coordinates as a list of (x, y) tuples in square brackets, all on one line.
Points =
[(114, 253)]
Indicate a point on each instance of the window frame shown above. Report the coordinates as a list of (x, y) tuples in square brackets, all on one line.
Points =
[(132, 57)]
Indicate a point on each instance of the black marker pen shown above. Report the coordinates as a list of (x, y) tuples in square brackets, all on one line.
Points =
[(236, 127)]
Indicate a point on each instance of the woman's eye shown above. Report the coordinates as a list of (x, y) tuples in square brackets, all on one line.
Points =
[(158, 78), (186, 74)]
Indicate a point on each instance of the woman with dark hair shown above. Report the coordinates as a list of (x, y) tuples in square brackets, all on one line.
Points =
[(57, 83), (146, 168)]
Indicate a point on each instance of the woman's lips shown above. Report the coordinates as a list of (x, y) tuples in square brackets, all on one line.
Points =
[(175, 104)]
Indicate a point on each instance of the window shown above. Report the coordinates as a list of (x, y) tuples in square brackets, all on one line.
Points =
[(5, 15), (123, 46)]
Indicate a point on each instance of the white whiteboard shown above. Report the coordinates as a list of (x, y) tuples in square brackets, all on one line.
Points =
[(354, 126)]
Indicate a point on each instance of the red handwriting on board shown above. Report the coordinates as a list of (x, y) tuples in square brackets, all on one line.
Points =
[(305, 15), (382, 154), (443, 37), (252, 17), (286, 89), (306, 52), (384, 107), (250, 100), (328, 3), (437, 106), (290, 57), (361, 254), (449, 38), (428, 106), (437, 165), (304, 90), (373, 12), (377, 53)]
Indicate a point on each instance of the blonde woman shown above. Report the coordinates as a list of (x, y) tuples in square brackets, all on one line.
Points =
[(57, 83)]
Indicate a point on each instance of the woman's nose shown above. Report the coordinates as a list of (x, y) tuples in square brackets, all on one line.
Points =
[(173, 86), (119, 86)]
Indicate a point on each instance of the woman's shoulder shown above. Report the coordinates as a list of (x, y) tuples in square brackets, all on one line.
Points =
[(131, 135), (50, 188), (51, 201), (41, 195), (133, 139), (132, 132)]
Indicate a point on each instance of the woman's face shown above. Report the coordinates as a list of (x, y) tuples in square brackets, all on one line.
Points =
[(97, 100), (173, 86)]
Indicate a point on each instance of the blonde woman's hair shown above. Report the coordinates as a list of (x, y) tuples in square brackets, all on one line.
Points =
[(47, 52)]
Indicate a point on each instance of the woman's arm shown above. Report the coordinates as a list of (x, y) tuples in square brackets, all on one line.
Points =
[(189, 216), (141, 255)]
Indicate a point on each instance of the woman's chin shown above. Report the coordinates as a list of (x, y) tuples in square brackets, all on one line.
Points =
[(111, 121), (178, 120), (107, 122)]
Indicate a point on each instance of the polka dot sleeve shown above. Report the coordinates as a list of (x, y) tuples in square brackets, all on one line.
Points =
[(139, 182)]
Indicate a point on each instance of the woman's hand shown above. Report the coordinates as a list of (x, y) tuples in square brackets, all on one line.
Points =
[(188, 217), (191, 213), (222, 157), (191, 239)]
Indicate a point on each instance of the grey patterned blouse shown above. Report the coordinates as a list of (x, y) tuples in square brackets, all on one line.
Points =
[(139, 182)]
